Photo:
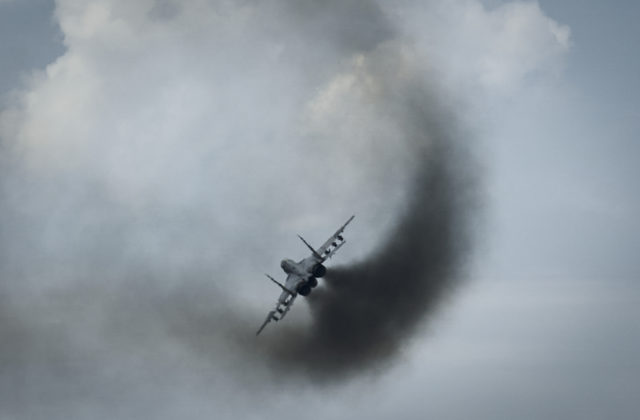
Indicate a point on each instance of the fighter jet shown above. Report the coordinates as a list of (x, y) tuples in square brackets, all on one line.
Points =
[(302, 276)]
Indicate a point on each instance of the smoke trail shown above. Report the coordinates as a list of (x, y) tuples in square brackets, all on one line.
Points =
[(119, 269), (366, 311)]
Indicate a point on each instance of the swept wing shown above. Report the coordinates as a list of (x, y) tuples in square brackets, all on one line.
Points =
[(332, 244), (285, 300)]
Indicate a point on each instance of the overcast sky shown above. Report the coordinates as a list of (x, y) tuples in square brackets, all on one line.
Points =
[(158, 157)]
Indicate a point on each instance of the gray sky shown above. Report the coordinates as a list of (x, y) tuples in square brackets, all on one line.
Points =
[(147, 167), (30, 39)]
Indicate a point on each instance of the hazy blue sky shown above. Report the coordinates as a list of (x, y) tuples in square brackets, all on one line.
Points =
[(30, 39), (546, 324)]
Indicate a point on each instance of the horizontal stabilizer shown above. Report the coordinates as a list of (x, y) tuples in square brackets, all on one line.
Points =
[(282, 286)]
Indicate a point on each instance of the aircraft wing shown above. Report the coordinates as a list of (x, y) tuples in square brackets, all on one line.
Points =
[(285, 300), (332, 244)]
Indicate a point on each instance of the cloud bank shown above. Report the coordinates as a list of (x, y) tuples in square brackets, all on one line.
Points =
[(165, 160)]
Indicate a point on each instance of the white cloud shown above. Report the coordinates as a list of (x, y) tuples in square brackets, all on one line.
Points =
[(219, 128), (497, 50), (136, 99)]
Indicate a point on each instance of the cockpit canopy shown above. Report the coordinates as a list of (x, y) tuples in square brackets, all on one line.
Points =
[(287, 265)]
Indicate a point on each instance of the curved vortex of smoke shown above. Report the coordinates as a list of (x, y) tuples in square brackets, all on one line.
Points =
[(366, 311), (125, 284)]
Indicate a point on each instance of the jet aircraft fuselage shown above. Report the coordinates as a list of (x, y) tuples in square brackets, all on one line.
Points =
[(302, 276)]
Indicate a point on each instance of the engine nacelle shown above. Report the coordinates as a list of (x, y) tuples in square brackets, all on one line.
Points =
[(304, 289), (319, 270), (312, 282)]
